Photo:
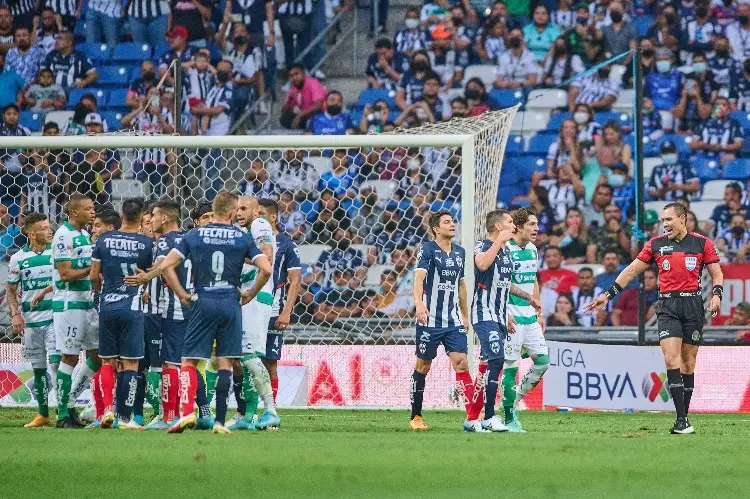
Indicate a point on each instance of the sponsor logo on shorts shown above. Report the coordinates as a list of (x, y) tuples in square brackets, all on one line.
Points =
[(685, 295), (691, 262), (696, 335), (663, 334), (654, 386), (665, 266)]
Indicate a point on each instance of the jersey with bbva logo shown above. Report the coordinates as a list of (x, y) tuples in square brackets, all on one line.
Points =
[(492, 287), (445, 270), (120, 253)]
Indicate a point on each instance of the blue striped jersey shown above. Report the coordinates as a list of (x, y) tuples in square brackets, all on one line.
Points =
[(153, 289), (444, 272), (120, 253), (491, 287), (286, 259), (169, 305)]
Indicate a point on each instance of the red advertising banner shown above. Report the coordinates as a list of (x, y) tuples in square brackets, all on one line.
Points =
[(736, 290)]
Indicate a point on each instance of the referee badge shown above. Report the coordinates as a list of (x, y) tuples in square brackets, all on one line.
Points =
[(691, 262), (665, 265)]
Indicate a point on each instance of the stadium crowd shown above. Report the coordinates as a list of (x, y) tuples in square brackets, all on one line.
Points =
[(577, 173)]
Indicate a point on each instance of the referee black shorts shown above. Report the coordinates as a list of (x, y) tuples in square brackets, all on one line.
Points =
[(681, 315)]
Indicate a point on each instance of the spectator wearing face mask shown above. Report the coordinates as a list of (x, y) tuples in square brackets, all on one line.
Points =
[(332, 121), (672, 179), (738, 33), (734, 241), (139, 87), (666, 29), (413, 38), (589, 131), (724, 12), (596, 90), (582, 38), (477, 98), (561, 65), (722, 65), (697, 93), (517, 67), (411, 87), (720, 137), (620, 36), (664, 85), (739, 95), (697, 32)]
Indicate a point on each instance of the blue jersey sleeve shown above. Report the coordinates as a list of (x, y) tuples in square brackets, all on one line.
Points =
[(183, 246), (424, 257), (163, 247), (147, 255), (292, 257), (462, 252), (96, 253)]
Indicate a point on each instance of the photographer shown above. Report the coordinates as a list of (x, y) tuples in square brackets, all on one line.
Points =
[(374, 117), (695, 99)]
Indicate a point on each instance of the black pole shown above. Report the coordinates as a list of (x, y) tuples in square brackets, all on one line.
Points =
[(639, 187)]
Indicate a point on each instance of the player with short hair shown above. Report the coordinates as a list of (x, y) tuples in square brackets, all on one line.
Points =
[(680, 257), (31, 267), (526, 332), (439, 281), (256, 316), (217, 252), (287, 282), (116, 254), (74, 315)]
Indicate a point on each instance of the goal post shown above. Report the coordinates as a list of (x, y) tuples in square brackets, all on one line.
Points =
[(358, 355)]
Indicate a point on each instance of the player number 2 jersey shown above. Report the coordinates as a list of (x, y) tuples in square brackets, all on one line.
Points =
[(445, 270), (285, 258), (72, 245), (492, 287), (262, 233), (169, 305), (525, 265), (33, 271)]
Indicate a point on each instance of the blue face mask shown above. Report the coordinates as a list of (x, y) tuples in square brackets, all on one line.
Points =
[(663, 66), (669, 159), (616, 180), (700, 67)]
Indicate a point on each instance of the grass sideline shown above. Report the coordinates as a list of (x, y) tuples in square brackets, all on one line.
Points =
[(342, 453)]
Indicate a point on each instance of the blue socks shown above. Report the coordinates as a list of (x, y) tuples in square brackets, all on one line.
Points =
[(222, 392), (126, 391), (237, 381), (494, 367)]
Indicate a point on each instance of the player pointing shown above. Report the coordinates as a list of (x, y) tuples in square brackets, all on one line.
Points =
[(439, 293), (680, 257)]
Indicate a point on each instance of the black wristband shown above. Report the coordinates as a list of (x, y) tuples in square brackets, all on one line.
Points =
[(719, 291), (613, 290)]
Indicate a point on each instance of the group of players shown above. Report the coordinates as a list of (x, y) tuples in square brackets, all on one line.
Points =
[(205, 306)]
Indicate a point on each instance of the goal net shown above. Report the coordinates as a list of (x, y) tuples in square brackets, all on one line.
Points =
[(356, 207)]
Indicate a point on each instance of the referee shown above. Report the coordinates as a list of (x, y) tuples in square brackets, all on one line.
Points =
[(680, 257)]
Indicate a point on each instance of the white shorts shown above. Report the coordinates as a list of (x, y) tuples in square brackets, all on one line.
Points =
[(527, 338), (255, 318), (76, 331), (38, 343)]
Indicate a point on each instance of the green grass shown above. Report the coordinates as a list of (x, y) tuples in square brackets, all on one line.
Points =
[(346, 453)]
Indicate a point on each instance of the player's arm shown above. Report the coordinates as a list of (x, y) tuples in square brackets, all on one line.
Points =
[(717, 279), (421, 311), (538, 298), (170, 277), (95, 275), (533, 300), (15, 313), (626, 276), (485, 259), (463, 303), (40, 296), (295, 284), (141, 277), (264, 273), (68, 273)]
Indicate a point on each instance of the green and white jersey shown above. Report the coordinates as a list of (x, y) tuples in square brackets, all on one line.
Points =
[(525, 266), (34, 272), (262, 233), (72, 245)]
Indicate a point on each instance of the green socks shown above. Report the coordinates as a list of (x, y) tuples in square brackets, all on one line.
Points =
[(42, 391), (64, 384), (210, 384), (153, 390), (509, 392), (250, 393)]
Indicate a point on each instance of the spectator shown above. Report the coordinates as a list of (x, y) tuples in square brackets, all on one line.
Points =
[(329, 218), (45, 96), (594, 211), (698, 32), (250, 16), (724, 14), (332, 121), (564, 16), (722, 65), (625, 312), (443, 59), (620, 36), (692, 224), (6, 30), (648, 62), (565, 191), (581, 38), (390, 303), (291, 173), (539, 200), (25, 59), (477, 98), (589, 131), (337, 301), (540, 34), (459, 108), (463, 23), (554, 277), (9, 160), (202, 77), (342, 256), (666, 30), (46, 34), (289, 216), (382, 16), (696, 97), (673, 178), (432, 107), (54, 163), (565, 150), (722, 214), (11, 86), (612, 268), (584, 293), (719, 138), (651, 121), (178, 49), (623, 189), (83, 177), (247, 55), (305, 98), (192, 16), (85, 106), (572, 238), (413, 38), (103, 22), (734, 241), (613, 151), (11, 238), (72, 69), (256, 182), (374, 117), (596, 90), (739, 96), (561, 65), (740, 317), (149, 20), (340, 178), (614, 235), (518, 13), (106, 162), (564, 315), (738, 34), (491, 42), (664, 86), (385, 66), (517, 67), (139, 87), (411, 87), (403, 263)]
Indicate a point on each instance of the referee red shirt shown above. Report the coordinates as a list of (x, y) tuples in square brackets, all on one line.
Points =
[(680, 262)]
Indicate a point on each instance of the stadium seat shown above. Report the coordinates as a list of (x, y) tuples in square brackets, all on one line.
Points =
[(215, 53), (539, 143), (31, 120), (621, 118), (75, 96), (320, 163), (649, 146), (135, 72), (642, 23), (529, 122), (714, 190), (113, 119), (682, 142), (702, 209), (60, 117), (384, 188), (648, 166), (131, 53), (618, 70), (97, 52), (525, 166), (707, 169), (515, 145), (743, 118), (486, 73), (657, 206), (160, 50), (117, 98), (370, 95), (624, 101), (737, 169), (123, 188), (113, 76), (546, 99), (555, 121), (507, 98), (310, 253)]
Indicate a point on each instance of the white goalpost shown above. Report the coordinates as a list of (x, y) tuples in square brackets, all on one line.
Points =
[(351, 346)]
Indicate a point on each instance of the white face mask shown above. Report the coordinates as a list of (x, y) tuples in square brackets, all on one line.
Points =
[(616, 180), (581, 117), (412, 23)]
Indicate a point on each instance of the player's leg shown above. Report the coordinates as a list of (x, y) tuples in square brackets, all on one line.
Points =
[(68, 334), (426, 351), (274, 343), (456, 346), (86, 372), (254, 349), (480, 383), (536, 346), (490, 336), (513, 342), (238, 421), (173, 334), (689, 354), (131, 350), (205, 417), (692, 338), (33, 352), (107, 377), (229, 347), (152, 329), (670, 328)]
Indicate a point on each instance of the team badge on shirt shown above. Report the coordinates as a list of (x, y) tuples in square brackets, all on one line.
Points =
[(691, 262), (665, 265)]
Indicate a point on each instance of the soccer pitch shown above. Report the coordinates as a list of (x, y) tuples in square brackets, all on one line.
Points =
[(343, 453)]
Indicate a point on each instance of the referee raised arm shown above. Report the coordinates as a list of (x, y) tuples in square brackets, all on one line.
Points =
[(680, 256)]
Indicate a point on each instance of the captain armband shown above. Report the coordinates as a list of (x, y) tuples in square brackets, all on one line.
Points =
[(613, 290)]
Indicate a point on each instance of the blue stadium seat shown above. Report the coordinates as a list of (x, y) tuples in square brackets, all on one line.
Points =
[(508, 98), (215, 53), (525, 166), (539, 143), (622, 119), (80, 31), (160, 50), (75, 96), (370, 95), (131, 53), (31, 120), (642, 23), (737, 169), (117, 98), (707, 169), (113, 119), (680, 141), (515, 145), (113, 76), (555, 121), (97, 52), (135, 72), (743, 118)]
